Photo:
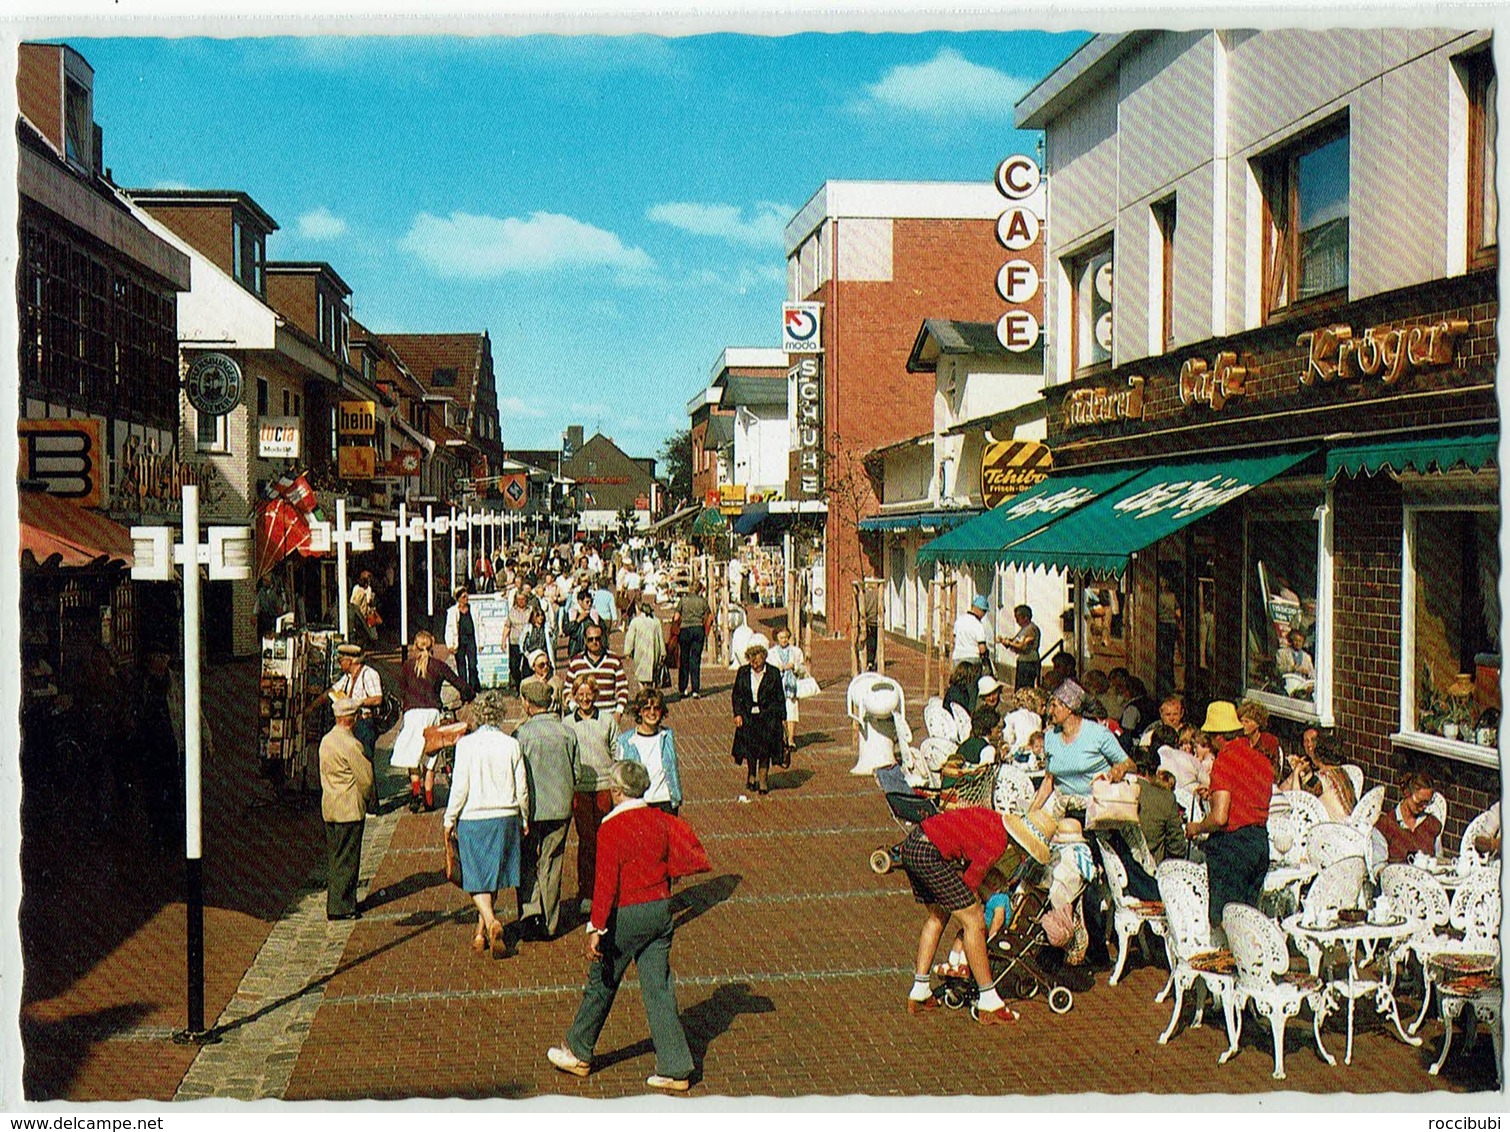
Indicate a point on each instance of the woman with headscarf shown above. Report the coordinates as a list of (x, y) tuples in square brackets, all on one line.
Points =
[(419, 690), (759, 706), (543, 672), (1077, 750), (488, 815)]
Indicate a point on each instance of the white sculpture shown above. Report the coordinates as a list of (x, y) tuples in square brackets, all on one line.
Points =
[(739, 635), (876, 704)]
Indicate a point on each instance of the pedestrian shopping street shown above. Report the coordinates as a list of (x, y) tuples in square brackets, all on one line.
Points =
[(792, 960)]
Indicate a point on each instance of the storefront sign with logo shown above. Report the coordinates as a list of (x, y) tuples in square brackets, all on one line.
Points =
[(356, 418), (148, 479), (800, 324), (64, 456), (808, 374), (1100, 405), (515, 489), (278, 438), (1008, 467), (213, 384), (1183, 497), (1334, 354), (1216, 385), (356, 463)]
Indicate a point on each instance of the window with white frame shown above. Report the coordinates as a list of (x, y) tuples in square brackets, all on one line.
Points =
[(1282, 595), (1091, 308), (209, 432), (1450, 632)]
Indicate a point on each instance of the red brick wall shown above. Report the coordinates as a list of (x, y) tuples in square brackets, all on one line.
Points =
[(940, 269), (39, 89), (205, 228), (293, 296)]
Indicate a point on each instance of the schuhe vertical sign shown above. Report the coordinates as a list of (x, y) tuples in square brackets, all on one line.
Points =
[(802, 334), (1020, 181)]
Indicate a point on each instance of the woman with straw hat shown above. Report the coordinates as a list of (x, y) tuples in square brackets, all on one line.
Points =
[(1236, 822)]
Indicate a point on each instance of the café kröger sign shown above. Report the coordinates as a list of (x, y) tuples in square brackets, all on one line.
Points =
[(1018, 179)]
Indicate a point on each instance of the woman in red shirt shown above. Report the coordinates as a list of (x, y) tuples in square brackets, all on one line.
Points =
[(640, 850)]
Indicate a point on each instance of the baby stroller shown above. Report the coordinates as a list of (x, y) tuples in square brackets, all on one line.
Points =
[(909, 805), (1014, 952)]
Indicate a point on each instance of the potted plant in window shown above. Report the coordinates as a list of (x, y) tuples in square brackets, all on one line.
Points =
[(1459, 722)]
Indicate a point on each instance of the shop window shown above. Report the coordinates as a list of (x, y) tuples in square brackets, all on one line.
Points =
[(1282, 631), (1306, 221), (1451, 635), (1091, 308), (1483, 126)]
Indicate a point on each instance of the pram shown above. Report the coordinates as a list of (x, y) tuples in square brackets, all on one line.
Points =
[(1014, 951), (909, 805)]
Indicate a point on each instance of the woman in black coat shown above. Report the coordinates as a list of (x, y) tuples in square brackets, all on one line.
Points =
[(759, 716)]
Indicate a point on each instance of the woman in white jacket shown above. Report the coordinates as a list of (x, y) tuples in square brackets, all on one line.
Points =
[(488, 814)]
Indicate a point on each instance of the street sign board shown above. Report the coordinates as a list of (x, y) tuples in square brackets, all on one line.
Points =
[(278, 438), (213, 384)]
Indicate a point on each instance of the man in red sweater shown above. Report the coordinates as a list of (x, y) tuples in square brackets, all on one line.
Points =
[(640, 849), (1236, 821), (932, 855)]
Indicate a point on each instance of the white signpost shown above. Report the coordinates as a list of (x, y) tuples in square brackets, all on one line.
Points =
[(358, 536)]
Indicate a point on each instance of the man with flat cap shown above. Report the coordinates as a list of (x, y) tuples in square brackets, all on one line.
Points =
[(345, 787), (551, 760)]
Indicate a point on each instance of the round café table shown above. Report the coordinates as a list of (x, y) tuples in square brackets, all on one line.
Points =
[(1351, 938)]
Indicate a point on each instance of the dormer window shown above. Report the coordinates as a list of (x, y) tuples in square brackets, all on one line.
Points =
[(445, 378), (248, 256)]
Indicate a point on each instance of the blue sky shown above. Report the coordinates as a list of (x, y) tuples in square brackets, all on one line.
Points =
[(609, 209)]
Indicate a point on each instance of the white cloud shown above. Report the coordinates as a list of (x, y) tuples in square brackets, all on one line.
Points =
[(321, 224), (518, 407), (465, 245), (589, 409), (172, 186), (948, 85), (764, 226), (747, 278)]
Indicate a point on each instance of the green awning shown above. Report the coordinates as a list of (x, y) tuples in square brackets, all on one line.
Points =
[(1439, 453), (1099, 538), (984, 537), (914, 520)]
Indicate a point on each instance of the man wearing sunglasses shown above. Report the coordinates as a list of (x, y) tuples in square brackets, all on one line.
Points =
[(608, 670)]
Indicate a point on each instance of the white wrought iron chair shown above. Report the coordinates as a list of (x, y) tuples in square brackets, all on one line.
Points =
[(1355, 776), (1437, 808), (1418, 898), (1331, 841), (1342, 884), (1193, 960), (1306, 811), (938, 720), (1129, 914), (930, 755), (1014, 790), (1366, 813), (1264, 978), (1476, 913), (1478, 827), (961, 723)]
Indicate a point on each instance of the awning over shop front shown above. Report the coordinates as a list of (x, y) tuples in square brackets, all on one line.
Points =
[(915, 520), (1099, 537), (1433, 453), (675, 517), (52, 526), (987, 535)]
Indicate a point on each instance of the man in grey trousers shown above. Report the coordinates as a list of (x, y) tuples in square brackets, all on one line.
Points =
[(551, 759)]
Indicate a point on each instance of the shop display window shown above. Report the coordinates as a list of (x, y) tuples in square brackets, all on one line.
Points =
[(1091, 276), (1452, 625), (1281, 618)]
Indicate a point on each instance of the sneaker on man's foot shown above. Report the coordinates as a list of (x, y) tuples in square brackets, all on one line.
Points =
[(566, 1061), (668, 1084)]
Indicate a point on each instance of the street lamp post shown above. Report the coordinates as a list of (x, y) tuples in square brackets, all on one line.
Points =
[(228, 557), (402, 533), (358, 536)]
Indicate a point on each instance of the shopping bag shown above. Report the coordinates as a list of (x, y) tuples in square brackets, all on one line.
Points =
[(453, 859), (1112, 804), (807, 687)]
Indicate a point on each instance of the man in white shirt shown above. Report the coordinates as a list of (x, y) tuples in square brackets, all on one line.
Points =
[(970, 631)]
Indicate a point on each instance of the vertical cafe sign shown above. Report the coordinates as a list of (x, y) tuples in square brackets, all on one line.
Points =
[(1019, 179), (800, 334)]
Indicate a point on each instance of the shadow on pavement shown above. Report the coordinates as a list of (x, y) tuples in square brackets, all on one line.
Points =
[(56, 1050), (704, 1023), (811, 739), (790, 779), (409, 886), (690, 903)]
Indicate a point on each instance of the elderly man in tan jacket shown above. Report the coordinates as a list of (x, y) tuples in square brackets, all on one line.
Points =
[(345, 786)]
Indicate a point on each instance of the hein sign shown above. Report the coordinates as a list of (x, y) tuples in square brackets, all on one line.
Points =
[(1018, 282), (808, 376), (356, 418)]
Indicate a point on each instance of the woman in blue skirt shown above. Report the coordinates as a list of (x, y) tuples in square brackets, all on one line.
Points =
[(487, 814)]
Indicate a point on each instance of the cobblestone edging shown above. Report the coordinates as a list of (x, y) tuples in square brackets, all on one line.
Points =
[(265, 1024)]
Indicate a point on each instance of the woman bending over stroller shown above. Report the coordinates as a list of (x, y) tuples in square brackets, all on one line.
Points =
[(975, 837)]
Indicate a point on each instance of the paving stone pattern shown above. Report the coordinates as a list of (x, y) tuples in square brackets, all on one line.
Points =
[(792, 960)]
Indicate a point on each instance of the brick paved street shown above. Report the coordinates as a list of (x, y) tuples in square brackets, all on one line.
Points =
[(791, 957)]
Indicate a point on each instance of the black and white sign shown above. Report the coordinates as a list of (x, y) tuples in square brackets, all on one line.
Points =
[(214, 384)]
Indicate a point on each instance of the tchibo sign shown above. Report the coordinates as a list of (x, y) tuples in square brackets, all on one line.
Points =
[(1019, 180)]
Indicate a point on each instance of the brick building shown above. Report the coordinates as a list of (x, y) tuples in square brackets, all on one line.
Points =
[(881, 257), (1276, 466)]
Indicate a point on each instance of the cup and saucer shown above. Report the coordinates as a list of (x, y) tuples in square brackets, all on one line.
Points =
[(1324, 919)]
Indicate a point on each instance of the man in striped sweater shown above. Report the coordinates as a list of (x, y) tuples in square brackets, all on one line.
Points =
[(606, 669)]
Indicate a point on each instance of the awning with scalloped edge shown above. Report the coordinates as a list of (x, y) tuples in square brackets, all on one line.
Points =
[(1420, 454)]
